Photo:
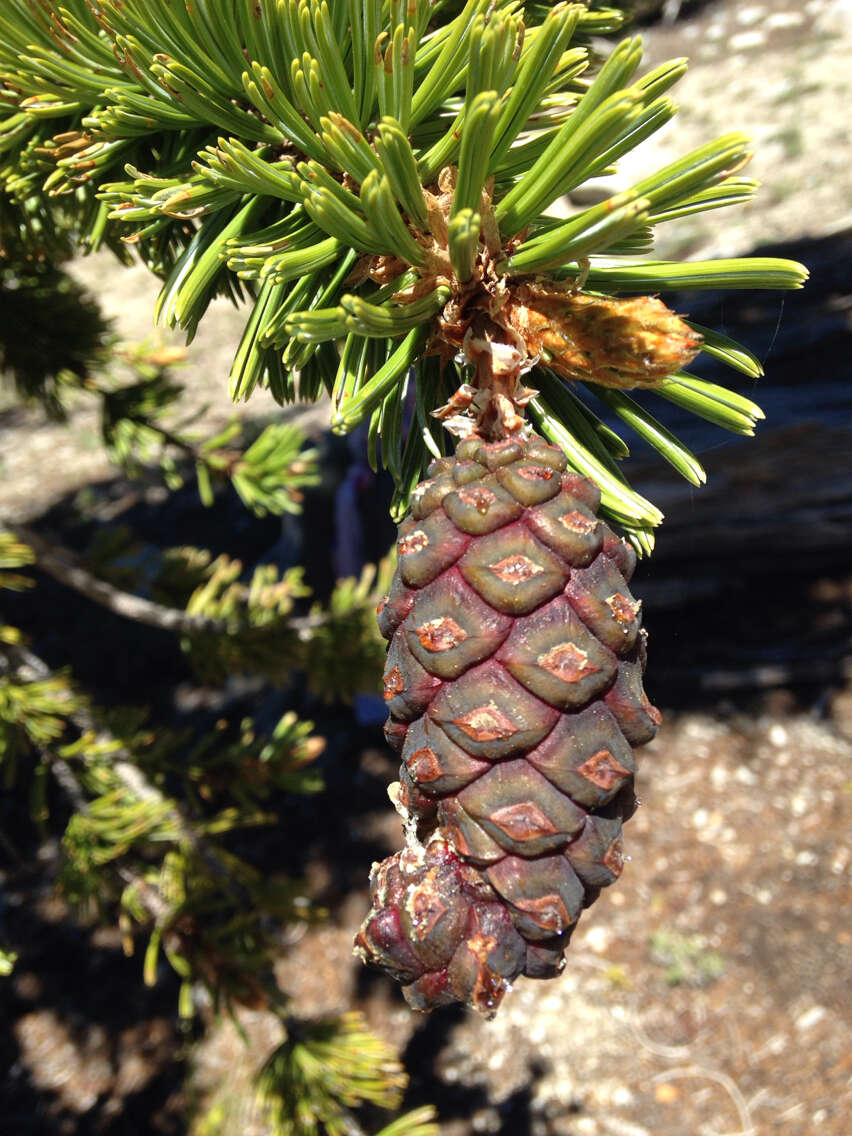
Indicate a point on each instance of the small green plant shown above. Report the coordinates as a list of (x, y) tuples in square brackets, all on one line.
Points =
[(687, 959)]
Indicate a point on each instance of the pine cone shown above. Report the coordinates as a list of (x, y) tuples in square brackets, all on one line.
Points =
[(514, 685), (438, 927)]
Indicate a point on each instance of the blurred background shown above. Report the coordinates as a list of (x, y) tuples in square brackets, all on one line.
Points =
[(709, 992)]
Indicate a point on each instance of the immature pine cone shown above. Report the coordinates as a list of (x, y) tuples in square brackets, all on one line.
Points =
[(514, 685)]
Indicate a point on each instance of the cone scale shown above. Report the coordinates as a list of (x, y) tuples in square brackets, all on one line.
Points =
[(514, 690)]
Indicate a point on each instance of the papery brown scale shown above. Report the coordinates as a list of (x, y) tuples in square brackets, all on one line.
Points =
[(620, 343)]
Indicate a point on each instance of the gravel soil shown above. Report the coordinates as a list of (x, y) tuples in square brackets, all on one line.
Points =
[(707, 993)]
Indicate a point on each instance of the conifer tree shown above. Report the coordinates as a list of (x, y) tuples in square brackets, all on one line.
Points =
[(374, 181)]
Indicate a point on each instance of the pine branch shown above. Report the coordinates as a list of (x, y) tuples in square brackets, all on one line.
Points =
[(65, 330), (63, 774), (125, 768), (322, 1070), (131, 776), (67, 569), (352, 206), (268, 474), (334, 1065)]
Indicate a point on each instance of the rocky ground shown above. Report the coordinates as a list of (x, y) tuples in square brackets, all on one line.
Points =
[(706, 994)]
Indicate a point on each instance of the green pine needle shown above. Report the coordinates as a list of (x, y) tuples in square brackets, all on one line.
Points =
[(304, 148), (353, 410), (653, 432), (728, 351), (666, 276), (591, 231)]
